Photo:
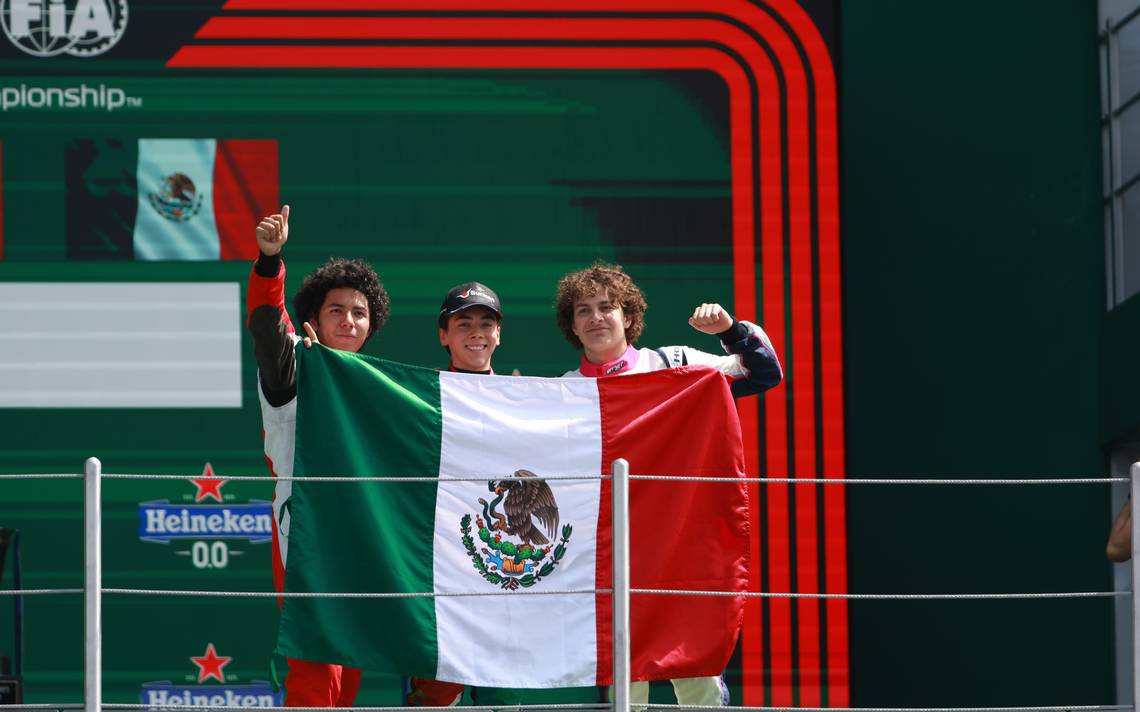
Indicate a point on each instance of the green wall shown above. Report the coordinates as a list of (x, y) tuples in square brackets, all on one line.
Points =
[(974, 293)]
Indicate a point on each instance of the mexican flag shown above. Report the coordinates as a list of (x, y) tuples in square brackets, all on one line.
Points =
[(509, 534), (168, 199)]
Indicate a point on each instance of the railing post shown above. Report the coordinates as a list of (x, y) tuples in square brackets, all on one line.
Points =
[(92, 587), (1135, 472), (621, 584)]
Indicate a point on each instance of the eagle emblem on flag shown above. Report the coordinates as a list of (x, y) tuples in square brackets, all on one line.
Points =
[(517, 544), (177, 198)]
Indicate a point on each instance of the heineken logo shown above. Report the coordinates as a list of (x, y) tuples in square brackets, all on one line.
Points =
[(215, 692), (164, 695), (207, 527), (209, 486), (516, 544), (163, 522), (176, 199)]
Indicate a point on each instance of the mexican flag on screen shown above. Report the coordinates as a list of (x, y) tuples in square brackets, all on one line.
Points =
[(168, 199), (509, 533)]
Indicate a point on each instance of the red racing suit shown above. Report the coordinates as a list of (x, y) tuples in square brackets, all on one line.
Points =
[(307, 684)]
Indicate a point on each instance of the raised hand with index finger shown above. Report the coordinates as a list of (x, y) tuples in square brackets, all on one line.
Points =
[(273, 232), (310, 337)]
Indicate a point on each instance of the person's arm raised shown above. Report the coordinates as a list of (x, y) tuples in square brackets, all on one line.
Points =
[(753, 362), (273, 232), (268, 321)]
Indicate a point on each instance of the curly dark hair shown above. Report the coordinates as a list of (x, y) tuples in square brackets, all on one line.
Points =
[(588, 282), (334, 274)]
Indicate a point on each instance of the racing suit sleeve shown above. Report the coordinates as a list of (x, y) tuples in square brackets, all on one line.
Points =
[(273, 333), (752, 362)]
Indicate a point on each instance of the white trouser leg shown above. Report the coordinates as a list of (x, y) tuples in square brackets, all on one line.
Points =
[(699, 690), (638, 695)]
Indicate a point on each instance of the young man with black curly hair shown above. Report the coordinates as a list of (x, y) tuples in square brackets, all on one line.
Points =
[(602, 311), (342, 304)]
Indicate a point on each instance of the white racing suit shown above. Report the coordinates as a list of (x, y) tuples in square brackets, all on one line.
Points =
[(754, 367)]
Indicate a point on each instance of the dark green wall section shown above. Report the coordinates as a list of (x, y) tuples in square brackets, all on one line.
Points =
[(974, 294), (1120, 379)]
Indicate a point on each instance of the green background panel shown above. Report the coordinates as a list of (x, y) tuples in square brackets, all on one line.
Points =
[(510, 179)]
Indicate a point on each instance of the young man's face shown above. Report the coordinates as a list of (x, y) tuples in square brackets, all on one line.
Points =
[(343, 320), (472, 336), (600, 324)]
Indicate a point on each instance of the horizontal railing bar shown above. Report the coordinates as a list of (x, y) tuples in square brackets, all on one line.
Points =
[(886, 596), (680, 478), (646, 591)]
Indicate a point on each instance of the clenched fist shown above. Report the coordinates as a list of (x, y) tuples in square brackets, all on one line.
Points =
[(710, 318), (273, 232)]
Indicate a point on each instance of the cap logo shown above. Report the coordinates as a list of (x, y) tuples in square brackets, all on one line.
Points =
[(476, 291)]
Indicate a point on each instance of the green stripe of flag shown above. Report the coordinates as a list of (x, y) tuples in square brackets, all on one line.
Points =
[(101, 198), (398, 516)]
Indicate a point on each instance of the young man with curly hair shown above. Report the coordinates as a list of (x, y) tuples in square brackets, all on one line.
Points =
[(341, 304), (602, 311)]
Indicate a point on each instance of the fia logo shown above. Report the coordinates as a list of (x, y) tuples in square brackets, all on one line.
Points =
[(49, 28)]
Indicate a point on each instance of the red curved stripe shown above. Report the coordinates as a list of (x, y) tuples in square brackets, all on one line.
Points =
[(831, 342)]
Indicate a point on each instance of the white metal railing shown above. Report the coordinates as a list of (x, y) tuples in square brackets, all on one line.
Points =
[(93, 589), (92, 586), (1135, 476)]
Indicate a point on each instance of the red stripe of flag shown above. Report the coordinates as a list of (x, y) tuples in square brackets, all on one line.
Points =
[(604, 563), (683, 535), (245, 188)]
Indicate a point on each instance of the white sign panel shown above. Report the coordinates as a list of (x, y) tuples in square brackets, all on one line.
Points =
[(120, 345)]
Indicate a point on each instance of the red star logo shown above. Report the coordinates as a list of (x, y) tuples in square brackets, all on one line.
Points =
[(211, 664), (211, 487)]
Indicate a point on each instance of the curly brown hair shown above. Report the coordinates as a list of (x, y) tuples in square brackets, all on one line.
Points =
[(586, 283), (334, 274)]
